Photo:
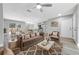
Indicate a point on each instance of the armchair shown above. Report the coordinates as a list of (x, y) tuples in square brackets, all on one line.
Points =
[(55, 35)]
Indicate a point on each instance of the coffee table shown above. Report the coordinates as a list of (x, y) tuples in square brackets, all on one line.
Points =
[(47, 46)]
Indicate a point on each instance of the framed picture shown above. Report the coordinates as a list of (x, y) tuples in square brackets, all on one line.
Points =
[(19, 26), (12, 25), (54, 23)]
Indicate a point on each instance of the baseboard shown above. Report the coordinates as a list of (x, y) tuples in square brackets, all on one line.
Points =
[(66, 37), (70, 38)]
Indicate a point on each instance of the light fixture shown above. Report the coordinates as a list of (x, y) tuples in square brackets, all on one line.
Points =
[(59, 14), (9, 33), (38, 6)]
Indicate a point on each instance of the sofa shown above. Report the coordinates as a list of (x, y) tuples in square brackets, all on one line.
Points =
[(24, 41)]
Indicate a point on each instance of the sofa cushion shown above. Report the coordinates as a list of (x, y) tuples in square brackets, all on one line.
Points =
[(54, 36), (30, 39), (23, 36), (33, 35), (38, 34), (27, 36), (55, 33)]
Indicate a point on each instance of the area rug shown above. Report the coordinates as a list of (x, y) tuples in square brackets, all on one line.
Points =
[(35, 50)]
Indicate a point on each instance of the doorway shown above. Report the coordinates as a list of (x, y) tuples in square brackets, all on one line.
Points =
[(66, 26)]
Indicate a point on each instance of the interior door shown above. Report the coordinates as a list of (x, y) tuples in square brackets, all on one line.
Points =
[(75, 27), (66, 27)]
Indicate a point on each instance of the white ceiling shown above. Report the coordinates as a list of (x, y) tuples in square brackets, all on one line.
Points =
[(18, 11)]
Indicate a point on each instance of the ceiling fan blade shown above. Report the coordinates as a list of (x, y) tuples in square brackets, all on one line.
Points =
[(33, 7), (28, 10), (38, 4), (47, 5)]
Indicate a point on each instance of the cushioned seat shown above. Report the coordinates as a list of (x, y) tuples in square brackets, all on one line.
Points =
[(54, 35), (36, 37), (28, 42)]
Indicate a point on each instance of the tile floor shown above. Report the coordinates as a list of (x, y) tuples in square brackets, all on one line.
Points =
[(69, 47)]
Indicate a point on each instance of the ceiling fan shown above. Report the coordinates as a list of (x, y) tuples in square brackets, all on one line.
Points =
[(40, 6)]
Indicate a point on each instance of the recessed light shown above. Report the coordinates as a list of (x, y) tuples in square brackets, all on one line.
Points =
[(38, 6), (59, 14)]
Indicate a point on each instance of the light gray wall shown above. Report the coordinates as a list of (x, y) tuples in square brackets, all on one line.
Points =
[(24, 26), (47, 28), (64, 26), (8, 21), (78, 23), (75, 25), (1, 25)]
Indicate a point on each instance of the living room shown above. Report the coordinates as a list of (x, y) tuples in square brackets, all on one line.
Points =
[(39, 29)]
